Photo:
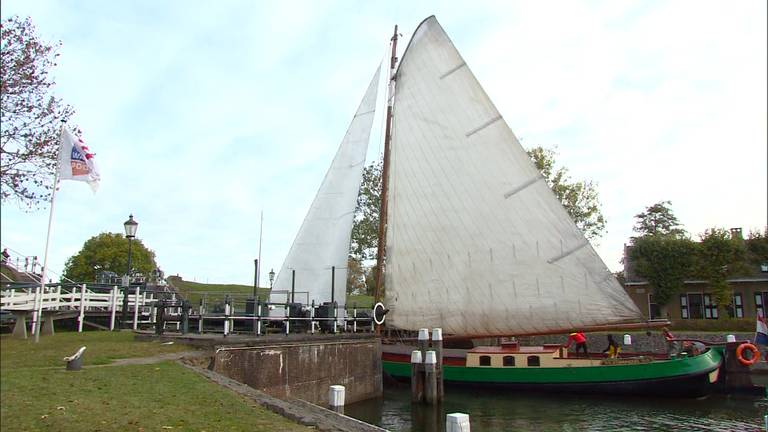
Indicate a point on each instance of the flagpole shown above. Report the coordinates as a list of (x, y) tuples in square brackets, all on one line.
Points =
[(258, 270), (47, 243)]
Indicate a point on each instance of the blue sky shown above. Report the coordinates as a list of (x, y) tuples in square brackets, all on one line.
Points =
[(202, 114)]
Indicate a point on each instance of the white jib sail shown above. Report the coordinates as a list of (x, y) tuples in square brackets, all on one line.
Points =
[(322, 242), (477, 243)]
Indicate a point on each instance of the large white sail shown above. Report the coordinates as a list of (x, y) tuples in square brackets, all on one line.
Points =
[(477, 243), (322, 242)]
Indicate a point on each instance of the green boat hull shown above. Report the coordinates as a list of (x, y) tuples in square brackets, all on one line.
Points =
[(687, 376)]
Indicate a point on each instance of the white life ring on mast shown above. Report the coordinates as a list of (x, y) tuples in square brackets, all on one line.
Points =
[(379, 313)]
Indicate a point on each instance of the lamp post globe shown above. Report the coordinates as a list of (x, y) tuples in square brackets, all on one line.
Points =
[(130, 233)]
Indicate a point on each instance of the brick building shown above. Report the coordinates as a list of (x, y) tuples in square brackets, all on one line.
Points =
[(696, 300)]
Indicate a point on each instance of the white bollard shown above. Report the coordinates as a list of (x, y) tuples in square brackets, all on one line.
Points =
[(336, 396), (457, 422), (627, 339), (431, 358), (730, 338)]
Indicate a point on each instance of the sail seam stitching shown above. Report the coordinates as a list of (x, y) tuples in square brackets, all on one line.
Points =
[(452, 70), (483, 126), (364, 113), (568, 252), (523, 186)]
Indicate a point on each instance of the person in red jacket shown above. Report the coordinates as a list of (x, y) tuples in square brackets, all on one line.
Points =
[(580, 340)]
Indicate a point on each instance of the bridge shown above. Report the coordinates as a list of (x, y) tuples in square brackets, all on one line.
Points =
[(135, 306)]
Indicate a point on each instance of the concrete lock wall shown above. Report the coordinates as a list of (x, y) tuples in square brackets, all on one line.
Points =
[(306, 369)]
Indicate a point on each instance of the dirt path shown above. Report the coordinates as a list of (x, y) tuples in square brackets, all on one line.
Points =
[(160, 358)]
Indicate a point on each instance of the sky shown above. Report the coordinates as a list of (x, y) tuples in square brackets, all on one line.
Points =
[(204, 114)]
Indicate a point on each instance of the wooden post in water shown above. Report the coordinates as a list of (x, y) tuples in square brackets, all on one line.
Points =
[(437, 346), (423, 342), (430, 378), (417, 376)]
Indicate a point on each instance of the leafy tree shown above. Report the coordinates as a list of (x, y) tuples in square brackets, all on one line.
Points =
[(109, 252), (580, 198), (757, 246), (665, 261), (355, 276), (719, 257), (31, 115), (365, 230), (658, 219)]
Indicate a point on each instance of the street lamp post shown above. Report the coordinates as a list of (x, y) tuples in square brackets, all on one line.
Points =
[(130, 233), (271, 278)]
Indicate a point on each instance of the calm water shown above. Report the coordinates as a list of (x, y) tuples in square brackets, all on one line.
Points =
[(503, 411)]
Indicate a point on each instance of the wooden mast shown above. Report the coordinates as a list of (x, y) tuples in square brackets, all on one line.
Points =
[(385, 175)]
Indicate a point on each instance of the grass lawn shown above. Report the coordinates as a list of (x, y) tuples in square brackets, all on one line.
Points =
[(38, 394), (101, 348), (192, 291)]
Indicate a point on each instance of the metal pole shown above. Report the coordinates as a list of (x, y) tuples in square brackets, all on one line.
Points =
[(333, 284), (293, 285), (124, 318), (255, 276), (261, 231)]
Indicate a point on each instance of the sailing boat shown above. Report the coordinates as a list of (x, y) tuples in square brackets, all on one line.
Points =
[(477, 244)]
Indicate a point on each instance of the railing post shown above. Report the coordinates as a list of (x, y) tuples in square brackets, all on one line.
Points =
[(312, 318), (58, 297), (335, 317), (82, 309), (288, 318), (354, 318), (136, 309), (258, 317), (112, 307), (185, 316), (226, 315)]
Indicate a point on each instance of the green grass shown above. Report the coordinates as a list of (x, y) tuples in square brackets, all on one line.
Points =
[(193, 291), (101, 348), (38, 394), (361, 301)]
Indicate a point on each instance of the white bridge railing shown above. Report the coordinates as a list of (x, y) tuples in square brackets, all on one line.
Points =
[(140, 305)]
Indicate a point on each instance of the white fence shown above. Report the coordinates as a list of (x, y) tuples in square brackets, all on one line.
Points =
[(140, 306)]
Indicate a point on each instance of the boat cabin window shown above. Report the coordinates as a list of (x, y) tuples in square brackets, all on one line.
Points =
[(509, 360), (534, 361), (485, 360)]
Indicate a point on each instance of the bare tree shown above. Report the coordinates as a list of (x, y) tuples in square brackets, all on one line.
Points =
[(31, 115)]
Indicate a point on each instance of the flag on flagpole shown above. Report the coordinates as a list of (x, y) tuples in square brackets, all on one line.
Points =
[(761, 333), (76, 162)]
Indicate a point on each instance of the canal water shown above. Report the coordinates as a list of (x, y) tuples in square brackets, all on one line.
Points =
[(497, 410)]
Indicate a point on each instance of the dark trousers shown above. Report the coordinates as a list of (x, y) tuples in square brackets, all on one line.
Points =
[(581, 346)]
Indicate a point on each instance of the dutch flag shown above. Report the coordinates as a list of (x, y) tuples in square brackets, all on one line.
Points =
[(761, 333)]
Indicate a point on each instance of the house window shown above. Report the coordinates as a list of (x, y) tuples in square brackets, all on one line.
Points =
[(684, 306), (695, 306), (710, 308), (534, 361), (509, 360), (761, 298), (736, 309), (485, 360), (654, 311)]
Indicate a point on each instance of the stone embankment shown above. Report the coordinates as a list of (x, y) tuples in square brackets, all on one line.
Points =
[(297, 410)]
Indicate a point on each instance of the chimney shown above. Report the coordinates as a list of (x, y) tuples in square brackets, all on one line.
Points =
[(736, 234)]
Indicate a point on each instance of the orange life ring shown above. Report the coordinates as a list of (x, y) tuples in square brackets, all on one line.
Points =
[(750, 347)]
